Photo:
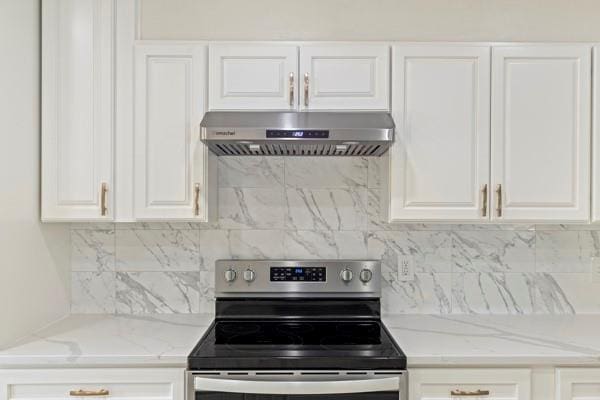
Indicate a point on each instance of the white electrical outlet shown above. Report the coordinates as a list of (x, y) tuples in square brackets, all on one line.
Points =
[(595, 269), (406, 268)]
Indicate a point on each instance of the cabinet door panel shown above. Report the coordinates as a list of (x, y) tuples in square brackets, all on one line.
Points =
[(439, 163), (347, 77), (541, 131), (171, 162), (578, 384), (446, 384), (253, 77), (77, 109)]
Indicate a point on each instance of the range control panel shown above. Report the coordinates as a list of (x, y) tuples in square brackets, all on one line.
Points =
[(298, 274), (300, 278)]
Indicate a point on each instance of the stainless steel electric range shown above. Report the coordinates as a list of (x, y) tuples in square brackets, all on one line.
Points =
[(297, 330)]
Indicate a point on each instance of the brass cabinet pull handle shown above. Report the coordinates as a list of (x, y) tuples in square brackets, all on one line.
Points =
[(499, 200), (89, 393), (197, 199), (484, 203), (478, 392), (306, 81), (103, 192), (291, 89)]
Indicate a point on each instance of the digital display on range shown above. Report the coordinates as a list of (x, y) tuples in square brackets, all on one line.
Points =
[(302, 134), (298, 274)]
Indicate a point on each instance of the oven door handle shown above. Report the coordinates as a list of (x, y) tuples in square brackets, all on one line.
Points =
[(297, 387)]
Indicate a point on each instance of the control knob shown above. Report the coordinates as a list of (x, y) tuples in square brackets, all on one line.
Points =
[(366, 275), (346, 275), (249, 275), (230, 275)]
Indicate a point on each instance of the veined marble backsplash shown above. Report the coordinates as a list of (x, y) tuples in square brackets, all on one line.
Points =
[(316, 208)]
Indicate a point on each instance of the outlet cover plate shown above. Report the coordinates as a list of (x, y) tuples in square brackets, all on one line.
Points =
[(406, 268)]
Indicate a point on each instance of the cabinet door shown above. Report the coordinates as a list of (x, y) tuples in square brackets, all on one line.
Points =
[(77, 109), (541, 132), (439, 162), (172, 171), (253, 77), (578, 384), (117, 383), (345, 77), (596, 138), (450, 384)]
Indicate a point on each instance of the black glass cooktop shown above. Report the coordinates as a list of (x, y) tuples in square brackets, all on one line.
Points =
[(297, 344)]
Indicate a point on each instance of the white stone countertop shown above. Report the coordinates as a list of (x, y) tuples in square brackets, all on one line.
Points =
[(499, 340), (110, 340), (427, 340)]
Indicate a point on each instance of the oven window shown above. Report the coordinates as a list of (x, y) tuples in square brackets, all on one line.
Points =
[(346, 396)]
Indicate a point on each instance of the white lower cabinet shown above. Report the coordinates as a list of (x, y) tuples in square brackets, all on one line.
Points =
[(578, 384), (116, 383), (491, 384)]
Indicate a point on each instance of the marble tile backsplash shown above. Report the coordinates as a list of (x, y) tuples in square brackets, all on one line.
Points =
[(312, 208)]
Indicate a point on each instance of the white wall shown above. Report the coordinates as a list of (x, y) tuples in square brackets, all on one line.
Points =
[(493, 20), (34, 258)]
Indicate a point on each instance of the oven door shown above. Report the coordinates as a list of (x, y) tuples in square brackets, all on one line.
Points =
[(306, 385)]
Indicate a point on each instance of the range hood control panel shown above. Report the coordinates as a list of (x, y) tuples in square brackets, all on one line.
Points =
[(297, 134)]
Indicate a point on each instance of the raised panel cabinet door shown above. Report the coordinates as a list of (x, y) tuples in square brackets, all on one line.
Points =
[(481, 383), (345, 77), (95, 383), (541, 100), (596, 138), (172, 166), (578, 384), (253, 77), (438, 166), (77, 110)]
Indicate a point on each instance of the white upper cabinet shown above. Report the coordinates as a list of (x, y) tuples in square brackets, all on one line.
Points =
[(541, 132), (345, 77), (596, 138), (92, 383), (172, 172), (439, 163), (77, 104), (481, 383), (253, 77)]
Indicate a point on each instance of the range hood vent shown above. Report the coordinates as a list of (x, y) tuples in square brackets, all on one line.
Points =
[(233, 133)]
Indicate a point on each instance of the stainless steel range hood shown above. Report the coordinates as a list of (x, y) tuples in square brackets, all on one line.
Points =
[(238, 133)]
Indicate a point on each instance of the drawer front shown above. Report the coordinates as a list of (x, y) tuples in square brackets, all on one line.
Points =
[(124, 383), (345, 77), (578, 383), (490, 384)]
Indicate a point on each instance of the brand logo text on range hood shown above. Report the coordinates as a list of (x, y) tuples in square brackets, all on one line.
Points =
[(224, 133), (230, 133)]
